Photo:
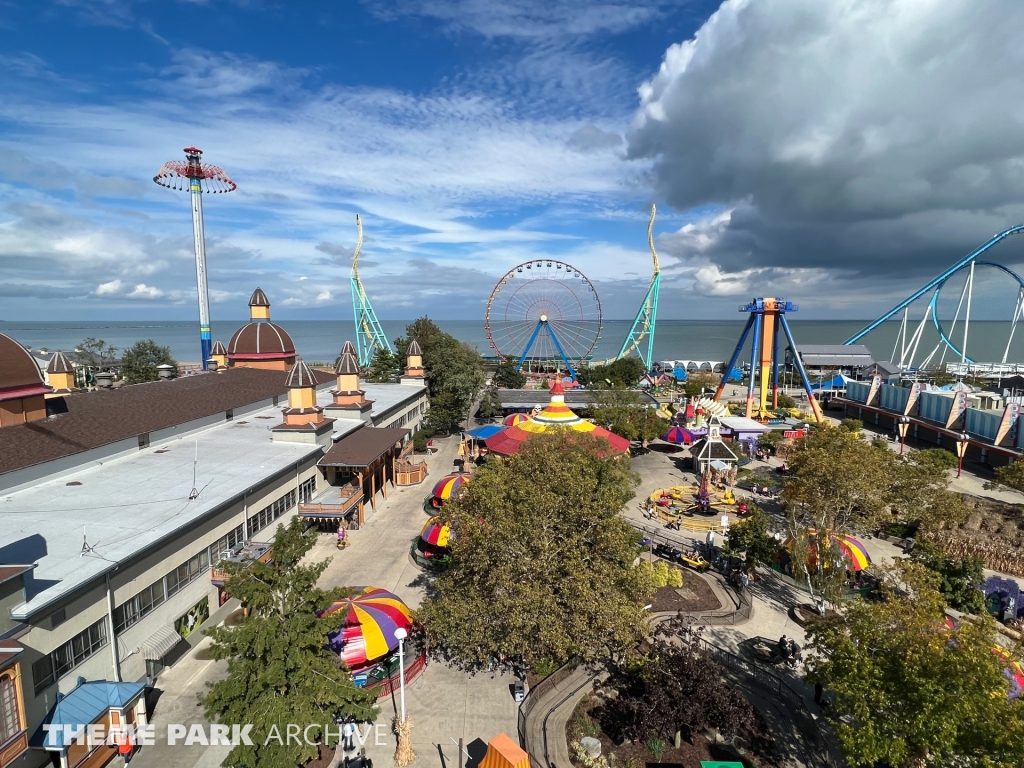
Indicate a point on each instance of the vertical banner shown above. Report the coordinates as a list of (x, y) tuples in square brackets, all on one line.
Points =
[(958, 410), (876, 384), (1008, 426), (915, 395)]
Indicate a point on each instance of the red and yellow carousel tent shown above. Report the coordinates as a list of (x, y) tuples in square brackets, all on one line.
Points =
[(556, 414)]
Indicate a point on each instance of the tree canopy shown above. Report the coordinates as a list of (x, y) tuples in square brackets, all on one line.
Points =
[(139, 362), (624, 372), (279, 670), (1011, 475), (752, 537), (542, 565), (960, 579), (676, 687), (908, 690), (490, 404), (620, 411), (384, 368), (454, 372), (95, 353), (507, 377), (839, 482)]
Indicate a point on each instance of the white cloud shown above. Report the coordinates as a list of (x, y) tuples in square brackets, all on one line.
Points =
[(143, 291), (109, 289), (886, 139)]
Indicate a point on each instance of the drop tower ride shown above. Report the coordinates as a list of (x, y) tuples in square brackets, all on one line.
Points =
[(197, 177)]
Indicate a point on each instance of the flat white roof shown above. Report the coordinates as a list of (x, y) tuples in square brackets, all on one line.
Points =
[(743, 424), (130, 503)]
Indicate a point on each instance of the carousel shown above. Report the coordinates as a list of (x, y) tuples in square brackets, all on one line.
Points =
[(431, 547), (366, 640), (447, 488)]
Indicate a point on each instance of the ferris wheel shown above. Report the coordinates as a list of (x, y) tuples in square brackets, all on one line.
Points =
[(546, 312)]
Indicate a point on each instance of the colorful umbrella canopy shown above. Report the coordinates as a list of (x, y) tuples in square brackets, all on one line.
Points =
[(481, 433), (371, 616), (448, 485), (851, 549), (678, 435), (515, 418), (556, 414), (435, 533)]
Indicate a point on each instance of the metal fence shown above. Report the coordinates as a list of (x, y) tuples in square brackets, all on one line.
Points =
[(538, 752)]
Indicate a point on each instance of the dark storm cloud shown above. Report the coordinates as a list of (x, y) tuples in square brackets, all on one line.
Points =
[(873, 137)]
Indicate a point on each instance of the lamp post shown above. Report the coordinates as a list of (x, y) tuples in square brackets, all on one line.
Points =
[(962, 441), (401, 634), (902, 424)]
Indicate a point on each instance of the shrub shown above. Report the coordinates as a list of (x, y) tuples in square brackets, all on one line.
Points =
[(675, 577), (656, 746), (419, 440), (851, 425), (660, 574)]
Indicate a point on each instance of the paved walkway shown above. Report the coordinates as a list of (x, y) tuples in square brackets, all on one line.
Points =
[(443, 704)]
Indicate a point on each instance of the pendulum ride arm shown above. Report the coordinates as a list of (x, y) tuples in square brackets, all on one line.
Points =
[(369, 333), (803, 373), (775, 369), (734, 359), (754, 351)]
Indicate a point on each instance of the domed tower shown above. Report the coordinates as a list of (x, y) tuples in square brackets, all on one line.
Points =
[(219, 353), (414, 371), (22, 389), (349, 400), (304, 420), (60, 374), (261, 343)]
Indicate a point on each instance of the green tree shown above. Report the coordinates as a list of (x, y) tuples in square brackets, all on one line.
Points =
[(620, 411), (507, 377), (752, 536), (278, 669), (623, 373), (855, 426), (770, 439), (542, 568), (936, 459), (95, 353), (677, 687), (785, 401), (454, 372), (139, 362), (1011, 475), (960, 579), (910, 692), (384, 368), (490, 405), (700, 381)]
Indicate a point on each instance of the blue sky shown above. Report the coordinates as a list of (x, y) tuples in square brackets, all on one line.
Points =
[(838, 153)]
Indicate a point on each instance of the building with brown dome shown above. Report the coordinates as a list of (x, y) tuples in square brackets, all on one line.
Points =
[(261, 343), (60, 375), (22, 389)]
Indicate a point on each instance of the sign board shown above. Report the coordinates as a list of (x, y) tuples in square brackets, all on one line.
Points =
[(793, 433), (876, 384), (912, 398), (958, 409), (1007, 427)]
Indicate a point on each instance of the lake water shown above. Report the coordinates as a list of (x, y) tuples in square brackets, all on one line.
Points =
[(320, 341)]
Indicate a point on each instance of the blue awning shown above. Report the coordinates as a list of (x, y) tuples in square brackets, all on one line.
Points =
[(84, 705), (482, 433)]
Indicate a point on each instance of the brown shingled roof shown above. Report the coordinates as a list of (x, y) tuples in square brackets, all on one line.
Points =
[(99, 418), (261, 339), (414, 348), (259, 299), (59, 363), (218, 348), (347, 364), (348, 348), (362, 447), (18, 370), (300, 377)]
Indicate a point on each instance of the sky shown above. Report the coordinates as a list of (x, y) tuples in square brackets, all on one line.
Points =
[(839, 154)]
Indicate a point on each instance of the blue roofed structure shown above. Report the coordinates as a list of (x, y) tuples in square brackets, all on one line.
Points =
[(86, 704)]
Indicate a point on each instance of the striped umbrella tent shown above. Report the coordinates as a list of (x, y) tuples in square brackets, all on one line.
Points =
[(371, 616), (852, 550), (515, 418), (449, 485), (678, 435), (502, 752), (435, 533)]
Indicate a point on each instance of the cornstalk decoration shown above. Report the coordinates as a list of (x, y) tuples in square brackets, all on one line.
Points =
[(403, 752)]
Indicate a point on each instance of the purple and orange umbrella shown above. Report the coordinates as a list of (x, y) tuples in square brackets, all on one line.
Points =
[(371, 616)]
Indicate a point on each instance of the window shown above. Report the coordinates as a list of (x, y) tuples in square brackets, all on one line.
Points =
[(226, 544), (136, 608), (64, 658), (187, 572), (307, 490), (270, 513), (10, 719)]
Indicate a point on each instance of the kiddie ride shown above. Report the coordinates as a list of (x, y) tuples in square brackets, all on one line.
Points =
[(670, 504)]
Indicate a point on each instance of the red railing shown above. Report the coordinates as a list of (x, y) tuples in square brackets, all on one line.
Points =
[(389, 686)]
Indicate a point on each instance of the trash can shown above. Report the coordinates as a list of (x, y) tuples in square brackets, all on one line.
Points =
[(519, 690)]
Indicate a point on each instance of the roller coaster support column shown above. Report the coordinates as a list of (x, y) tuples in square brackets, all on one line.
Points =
[(803, 373), (754, 346), (734, 359)]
